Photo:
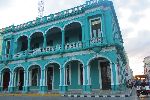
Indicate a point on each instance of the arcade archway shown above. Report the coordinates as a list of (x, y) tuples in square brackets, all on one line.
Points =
[(100, 67)]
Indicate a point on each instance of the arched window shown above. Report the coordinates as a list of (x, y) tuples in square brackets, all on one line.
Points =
[(22, 43), (73, 32), (37, 40), (96, 27), (53, 36)]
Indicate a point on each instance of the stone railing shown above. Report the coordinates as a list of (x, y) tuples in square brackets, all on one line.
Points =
[(96, 40), (20, 54), (73, 45), (38, 51), (90, 2), (51, 48), (47, 49)]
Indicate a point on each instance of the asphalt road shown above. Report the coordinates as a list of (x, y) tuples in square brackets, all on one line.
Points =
[(133, 97)]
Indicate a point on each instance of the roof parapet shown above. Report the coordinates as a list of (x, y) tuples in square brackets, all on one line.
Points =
[(52, 17)]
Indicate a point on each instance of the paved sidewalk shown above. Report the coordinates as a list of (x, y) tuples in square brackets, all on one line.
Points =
[(94, 93), (100, 93), (30, 94)]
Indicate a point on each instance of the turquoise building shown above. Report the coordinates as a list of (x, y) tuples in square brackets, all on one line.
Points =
[(78, 49)]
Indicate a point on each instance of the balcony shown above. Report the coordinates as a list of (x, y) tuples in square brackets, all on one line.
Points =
[(96, 40), (73, 45), (20, 54), (68, 47)]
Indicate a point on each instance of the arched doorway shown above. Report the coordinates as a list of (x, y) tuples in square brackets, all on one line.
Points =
[(19, 78), (34, 77), (74, 74), (73, 32), (37, 40), (22, 43), (54, 36), (100, 67), (6, 79), (52, 76)]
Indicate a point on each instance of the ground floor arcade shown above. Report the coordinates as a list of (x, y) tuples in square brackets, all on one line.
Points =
[(75, 74)]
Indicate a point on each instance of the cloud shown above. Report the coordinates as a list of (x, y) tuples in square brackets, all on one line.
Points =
[(139, 44), (5, 3), (136, 18), (52, 7), (133, 17), (137, 49)]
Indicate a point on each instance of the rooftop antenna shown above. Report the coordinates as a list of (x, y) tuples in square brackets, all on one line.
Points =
[(40, 8)]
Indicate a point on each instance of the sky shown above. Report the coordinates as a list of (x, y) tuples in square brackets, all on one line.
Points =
[(133, 17)]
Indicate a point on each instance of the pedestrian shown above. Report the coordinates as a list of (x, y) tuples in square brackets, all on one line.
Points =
[(19, 85)]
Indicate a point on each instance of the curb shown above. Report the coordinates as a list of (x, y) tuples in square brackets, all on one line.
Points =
[(34, 95), (97, 96)]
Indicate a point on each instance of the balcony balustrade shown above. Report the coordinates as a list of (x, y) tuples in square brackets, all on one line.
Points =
[(20, 54), (73, 45), (96, 40), (55, 49)]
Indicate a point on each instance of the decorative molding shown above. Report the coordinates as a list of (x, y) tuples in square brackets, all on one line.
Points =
[(98, 56), (106, 49), (52, 61)]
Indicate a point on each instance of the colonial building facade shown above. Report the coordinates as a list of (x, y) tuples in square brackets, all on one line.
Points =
[(76, 49), (147, 66)]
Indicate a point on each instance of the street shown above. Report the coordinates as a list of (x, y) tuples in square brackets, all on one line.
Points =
[(133, 97), (64, 98)]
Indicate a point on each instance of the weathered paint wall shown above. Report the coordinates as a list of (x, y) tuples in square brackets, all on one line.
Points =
[(85, 52), (94, 74), (56, 76)]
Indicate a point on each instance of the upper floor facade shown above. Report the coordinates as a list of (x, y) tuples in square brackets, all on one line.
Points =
[(91, 25), (147, 66)]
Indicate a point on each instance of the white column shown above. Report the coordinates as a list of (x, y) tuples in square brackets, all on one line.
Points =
[(10, 81), (60, 84), (100, 79), (18, 76), (112, 79), (84, 75), (79, 72), (25, 78), (88, 75), (65, 75), (0, 79), (114, 74), (15, 79), (44, 78), (29, 78), (117, 78)]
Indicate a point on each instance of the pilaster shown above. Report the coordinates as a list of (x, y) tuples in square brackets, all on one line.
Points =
[(87, 84), (26, 82), (43, 87), (44, 43), (11, 47), (103, 31), (4, 49), (1, 87), (63, 87), (63, 40), (11, 85), (29, 40), (114, 84)]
